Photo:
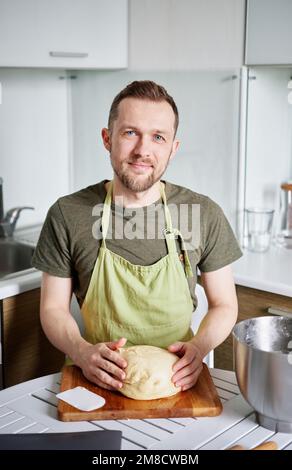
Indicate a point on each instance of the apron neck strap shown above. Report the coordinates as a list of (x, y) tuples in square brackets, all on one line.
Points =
[(106, 212), (168, 231), (166, 210)]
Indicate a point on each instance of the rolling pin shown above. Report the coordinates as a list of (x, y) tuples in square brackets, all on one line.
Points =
[(269, 445)]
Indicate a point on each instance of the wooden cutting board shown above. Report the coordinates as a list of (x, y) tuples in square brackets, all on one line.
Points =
[(200, 400)]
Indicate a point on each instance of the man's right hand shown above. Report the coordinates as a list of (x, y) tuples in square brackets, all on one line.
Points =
[(103, 365)]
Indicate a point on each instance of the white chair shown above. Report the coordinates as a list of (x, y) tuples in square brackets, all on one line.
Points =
[(198, 316)]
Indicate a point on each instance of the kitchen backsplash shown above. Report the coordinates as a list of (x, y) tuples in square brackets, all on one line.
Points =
[(50, 125), (34, 155), (208, 103)]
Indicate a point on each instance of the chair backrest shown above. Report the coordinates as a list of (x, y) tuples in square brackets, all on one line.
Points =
[(198, 316)]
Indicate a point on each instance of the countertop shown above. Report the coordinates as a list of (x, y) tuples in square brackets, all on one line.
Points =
[(270, 271), (18, 283)]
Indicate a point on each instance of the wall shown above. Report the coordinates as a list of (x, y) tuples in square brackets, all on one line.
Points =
[(208, 103), (34, 160), (269, 136), (194, 48), (165, 35)]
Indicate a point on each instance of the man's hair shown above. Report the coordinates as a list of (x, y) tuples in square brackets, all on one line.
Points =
[(145, 90)]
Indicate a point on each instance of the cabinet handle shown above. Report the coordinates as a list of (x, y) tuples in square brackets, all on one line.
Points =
[(68, 54), (281, 311)]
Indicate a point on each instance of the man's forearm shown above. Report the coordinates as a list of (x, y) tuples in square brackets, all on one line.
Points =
[(215, 327), (63, 332)]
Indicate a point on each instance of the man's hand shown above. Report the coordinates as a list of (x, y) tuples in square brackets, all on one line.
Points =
[(103, 365), (188, 368)]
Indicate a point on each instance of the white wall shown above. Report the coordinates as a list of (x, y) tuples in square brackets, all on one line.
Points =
[(193, 47), (164, 35), (269, 136), (33, 140), (208, 102)]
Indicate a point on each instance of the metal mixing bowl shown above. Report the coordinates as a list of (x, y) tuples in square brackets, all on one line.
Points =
[(263, 364)]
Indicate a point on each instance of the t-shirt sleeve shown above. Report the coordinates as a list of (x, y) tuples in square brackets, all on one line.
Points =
[(52, 253), (219, 244)]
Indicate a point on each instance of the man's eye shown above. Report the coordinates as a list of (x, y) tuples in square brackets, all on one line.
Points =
[(158, 137), (130, 133)]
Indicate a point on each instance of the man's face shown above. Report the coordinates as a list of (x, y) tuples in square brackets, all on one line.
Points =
[(141, 142)]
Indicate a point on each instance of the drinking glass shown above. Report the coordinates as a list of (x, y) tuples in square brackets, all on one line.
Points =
[(259, 228)]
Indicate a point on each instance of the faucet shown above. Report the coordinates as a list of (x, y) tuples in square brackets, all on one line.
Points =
[(8, 222)]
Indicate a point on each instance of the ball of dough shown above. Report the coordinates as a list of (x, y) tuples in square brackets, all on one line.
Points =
[(148, 373)]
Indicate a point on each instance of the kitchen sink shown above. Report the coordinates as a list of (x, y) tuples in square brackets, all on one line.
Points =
[(14, 257)]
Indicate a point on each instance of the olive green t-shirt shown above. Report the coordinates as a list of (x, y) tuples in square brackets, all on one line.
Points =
[(71, 235)]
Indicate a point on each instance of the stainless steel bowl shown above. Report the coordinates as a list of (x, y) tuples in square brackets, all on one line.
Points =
[(263, 364)]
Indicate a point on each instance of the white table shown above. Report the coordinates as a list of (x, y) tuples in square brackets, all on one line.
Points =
[(31, 407)]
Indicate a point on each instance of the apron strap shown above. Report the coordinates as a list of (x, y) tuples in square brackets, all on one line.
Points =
[(168, 231), (166, 210), (106, 213), (171, 233)]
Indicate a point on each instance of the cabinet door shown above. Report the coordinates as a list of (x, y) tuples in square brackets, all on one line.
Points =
[(268, 32), (63, 33), (27, 353), (251, 303)]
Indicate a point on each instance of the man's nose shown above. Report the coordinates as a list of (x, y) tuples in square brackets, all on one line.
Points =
[(143, 146)]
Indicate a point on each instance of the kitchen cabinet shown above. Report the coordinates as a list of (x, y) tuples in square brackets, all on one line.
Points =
[(251, 303), (84, 34), (26, 352), (190, 35), (268, 32)]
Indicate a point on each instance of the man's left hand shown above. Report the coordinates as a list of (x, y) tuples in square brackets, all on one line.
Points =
[(188, 368)]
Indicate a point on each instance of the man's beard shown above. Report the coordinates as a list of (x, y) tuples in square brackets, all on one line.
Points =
[(132, 182)]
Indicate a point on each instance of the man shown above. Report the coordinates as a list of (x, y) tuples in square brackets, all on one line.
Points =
[(136, 289)]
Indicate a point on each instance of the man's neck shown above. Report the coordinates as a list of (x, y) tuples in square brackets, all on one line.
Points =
[(127, 198)]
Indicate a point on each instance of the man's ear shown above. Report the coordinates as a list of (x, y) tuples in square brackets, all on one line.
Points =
[(105, 134), (175, 146)]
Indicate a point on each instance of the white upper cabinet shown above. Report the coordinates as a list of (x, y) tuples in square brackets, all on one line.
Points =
[(186, 34), (269, 32), (70, 34)]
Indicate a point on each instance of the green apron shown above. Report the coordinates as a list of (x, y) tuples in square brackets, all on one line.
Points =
[(145, 304)]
